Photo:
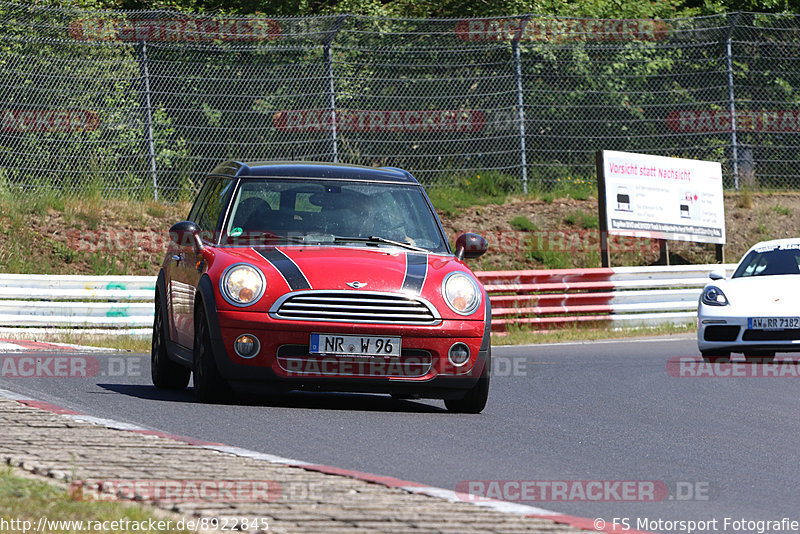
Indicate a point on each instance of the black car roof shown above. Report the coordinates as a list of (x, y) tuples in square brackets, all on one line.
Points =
[(308, 169)]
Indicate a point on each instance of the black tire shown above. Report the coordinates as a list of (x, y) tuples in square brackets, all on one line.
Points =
[(716, 356), (209, 386), (165, 373), (474, 400), (756, 357)]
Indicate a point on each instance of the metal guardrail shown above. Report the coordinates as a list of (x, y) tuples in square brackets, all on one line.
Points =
[(123, 305), (629, 296), (76, 304)]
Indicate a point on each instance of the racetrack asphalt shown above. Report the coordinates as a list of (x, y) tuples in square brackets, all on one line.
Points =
[(610, 411)]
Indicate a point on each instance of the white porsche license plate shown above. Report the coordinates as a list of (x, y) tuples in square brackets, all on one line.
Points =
[(354, 345), (773, 323)]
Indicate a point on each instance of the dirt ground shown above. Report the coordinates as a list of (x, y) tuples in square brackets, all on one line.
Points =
[(115, 237), (566, 234)]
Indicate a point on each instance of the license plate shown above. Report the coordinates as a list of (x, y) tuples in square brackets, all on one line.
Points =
[(358, 345), (773, 323)]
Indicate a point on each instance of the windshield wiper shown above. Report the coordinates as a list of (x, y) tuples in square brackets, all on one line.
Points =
[(262, 237), (374, 240)]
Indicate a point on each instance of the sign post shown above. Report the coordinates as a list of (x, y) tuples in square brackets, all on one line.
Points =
[(605, 255)]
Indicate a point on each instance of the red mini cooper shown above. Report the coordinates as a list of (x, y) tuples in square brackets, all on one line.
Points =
[(321, 277)]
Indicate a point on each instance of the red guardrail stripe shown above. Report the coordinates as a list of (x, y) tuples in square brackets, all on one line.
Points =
[(545, 310), (542, 297), (550, 299), (560, 286)]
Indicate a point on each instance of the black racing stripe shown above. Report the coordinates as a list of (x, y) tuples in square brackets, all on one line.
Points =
[(416, 271), (288, 269)]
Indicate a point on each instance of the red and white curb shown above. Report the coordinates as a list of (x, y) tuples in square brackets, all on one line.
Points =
[(390, 482), (20, 345)]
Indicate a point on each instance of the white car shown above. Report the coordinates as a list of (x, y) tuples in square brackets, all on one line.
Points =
[(756, 311)]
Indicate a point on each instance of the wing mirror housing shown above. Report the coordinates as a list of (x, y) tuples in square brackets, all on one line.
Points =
[(470, 245), (186, 234), (717, 274)]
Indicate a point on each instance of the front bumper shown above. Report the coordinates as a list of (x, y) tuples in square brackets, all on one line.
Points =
[(283, 362), (720, 330)]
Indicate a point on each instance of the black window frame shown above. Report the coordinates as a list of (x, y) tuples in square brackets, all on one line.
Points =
[(234, 191), (205, 197)]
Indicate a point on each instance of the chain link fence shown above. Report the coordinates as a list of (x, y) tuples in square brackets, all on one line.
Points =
[(145, 103)]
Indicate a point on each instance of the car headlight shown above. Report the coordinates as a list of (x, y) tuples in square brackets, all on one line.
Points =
[(461, 293), (713, 296), (242, 284)]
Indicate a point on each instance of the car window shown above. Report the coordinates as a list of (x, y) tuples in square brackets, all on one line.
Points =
[(302, 203), (769, 261), (209, 212), (249, 204), (202, 198), (322, 211)]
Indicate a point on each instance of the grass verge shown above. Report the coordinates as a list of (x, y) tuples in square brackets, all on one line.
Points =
[(518, 336), (125, 343), (490, 187), (25, 501), (51, 234)]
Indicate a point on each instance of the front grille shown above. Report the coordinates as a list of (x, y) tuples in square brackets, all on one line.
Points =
[(355, 307), (771, 335), (296, 361), (721, 333)]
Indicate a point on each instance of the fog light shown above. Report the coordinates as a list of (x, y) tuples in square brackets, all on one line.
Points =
[(246, 345), (458, 354)]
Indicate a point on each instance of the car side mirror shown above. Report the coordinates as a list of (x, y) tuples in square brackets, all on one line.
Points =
[(186, 234), (717, 274), (470, 246)]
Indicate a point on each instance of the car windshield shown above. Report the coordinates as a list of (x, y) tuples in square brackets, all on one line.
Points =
[(770, 260), (332, 212)]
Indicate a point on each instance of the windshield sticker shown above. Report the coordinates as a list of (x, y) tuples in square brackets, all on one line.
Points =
[(772, 248)]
